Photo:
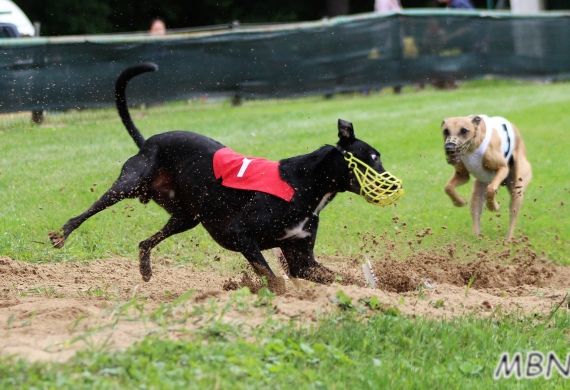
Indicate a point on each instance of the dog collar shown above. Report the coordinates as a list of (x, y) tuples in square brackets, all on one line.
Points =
[(340, 150), (380, 189)]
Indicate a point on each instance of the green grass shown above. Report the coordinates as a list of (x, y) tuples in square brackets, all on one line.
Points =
[(347, 350), (46, 177), (53, 172)]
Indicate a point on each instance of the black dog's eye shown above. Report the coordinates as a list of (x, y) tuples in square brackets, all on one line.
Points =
[(375, 157), (446, 132), (464, 131)]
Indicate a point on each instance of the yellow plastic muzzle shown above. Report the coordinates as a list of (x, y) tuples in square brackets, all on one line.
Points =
[(380, 189)]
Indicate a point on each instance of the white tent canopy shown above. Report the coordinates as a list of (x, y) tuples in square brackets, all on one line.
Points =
[(11, 13)]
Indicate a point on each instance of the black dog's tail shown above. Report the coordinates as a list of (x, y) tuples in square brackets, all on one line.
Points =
[(121, 98)]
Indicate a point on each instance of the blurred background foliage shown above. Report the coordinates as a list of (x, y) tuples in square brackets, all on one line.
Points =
[(68, 17)]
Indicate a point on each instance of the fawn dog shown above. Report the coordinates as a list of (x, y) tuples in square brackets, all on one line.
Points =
[(492, 150)]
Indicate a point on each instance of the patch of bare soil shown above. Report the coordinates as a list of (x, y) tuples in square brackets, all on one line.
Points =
[(485, 273), (49, 311)]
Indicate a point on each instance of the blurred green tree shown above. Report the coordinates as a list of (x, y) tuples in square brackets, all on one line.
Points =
[(65, 17), (69, 16)]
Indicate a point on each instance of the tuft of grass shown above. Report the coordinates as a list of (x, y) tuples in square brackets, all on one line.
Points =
[(345, 350), (468, 287)]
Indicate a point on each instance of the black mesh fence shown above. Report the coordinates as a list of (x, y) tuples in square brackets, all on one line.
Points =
[(346, 53)]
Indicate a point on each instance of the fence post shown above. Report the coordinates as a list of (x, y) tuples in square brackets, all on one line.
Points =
[(37, 116)]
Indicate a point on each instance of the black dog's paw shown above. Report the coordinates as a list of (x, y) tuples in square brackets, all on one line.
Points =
[(144, 264), (57, 239), (146, 275), (145, 270)]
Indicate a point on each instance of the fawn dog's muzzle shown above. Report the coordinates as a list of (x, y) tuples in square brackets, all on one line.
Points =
[(455, 148), (380, 189)]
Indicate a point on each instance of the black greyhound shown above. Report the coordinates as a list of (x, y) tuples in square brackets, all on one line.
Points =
[(175, 169)]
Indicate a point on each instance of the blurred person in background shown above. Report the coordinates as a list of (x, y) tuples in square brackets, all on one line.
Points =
[(157, 27), (447, 36), (466, 4), (386, 6)]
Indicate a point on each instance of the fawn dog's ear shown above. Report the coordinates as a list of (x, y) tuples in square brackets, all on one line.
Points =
[(476, 120), (345, 130)]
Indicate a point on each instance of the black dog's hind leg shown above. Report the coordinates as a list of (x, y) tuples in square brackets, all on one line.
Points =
[(174, 226), (302, 263), (128, 185)]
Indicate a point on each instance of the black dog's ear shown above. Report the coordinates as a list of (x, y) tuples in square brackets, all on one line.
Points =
[(345, 130), (476, 120)]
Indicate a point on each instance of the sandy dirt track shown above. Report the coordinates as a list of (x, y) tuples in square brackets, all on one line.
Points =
[(49, 311)]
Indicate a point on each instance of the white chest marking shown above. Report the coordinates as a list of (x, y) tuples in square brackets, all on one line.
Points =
[(323, 203), (297, 231)]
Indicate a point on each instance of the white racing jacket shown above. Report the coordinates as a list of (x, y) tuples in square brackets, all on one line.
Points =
[(474, 161)]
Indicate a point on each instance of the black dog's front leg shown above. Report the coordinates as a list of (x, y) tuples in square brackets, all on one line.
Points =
[(175, 225), (302, 263)]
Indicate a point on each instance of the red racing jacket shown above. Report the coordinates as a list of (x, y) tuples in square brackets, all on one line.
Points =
[(250, 173)]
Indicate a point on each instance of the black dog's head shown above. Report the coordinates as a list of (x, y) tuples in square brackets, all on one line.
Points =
[(367, 176)]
